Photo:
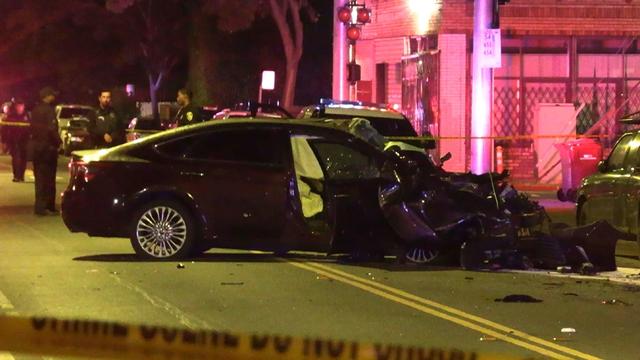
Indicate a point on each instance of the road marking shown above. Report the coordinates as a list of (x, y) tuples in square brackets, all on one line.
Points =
[(7, 308), (183, 318), (446, 312), (5, 304)]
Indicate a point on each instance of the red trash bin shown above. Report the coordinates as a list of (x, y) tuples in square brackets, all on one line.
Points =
[(579, 159)]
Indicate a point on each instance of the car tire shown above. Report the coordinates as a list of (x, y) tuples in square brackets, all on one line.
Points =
[(543, 250), (581, 218), (163, 230), (561, 195)]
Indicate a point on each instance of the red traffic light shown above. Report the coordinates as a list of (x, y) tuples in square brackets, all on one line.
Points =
[(353, 33), (344, 15), (364, 15)]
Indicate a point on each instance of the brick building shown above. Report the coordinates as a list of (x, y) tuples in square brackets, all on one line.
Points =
[(417, 54)]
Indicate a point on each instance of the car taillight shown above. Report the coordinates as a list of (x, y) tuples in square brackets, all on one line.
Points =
[(85, 171)]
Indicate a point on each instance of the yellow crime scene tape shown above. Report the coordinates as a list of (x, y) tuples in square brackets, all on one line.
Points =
[(401, 138), (513, 137), (99, 339), (11, 123)]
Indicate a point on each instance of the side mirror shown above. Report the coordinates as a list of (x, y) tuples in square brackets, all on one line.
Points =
[(445, 158), (602, 166)]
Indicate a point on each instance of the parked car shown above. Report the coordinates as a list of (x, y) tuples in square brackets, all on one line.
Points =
[(142, 126), (208, 112), (253, 110), (387, 121), (613, 194), (73, 126), (249, 184)]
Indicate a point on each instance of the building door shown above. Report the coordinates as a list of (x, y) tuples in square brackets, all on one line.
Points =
[(420, 84)]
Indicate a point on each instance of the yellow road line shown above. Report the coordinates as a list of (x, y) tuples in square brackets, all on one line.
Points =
[(456, 316)]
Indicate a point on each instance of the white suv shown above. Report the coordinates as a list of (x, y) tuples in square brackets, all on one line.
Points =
[(387, 122)]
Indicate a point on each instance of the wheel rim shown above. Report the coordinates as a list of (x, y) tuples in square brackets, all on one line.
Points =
[(161, 232), (421, 255)]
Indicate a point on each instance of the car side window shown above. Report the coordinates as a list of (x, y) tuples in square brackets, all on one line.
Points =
[(344, 162), (257, 146), (632, 161), (616, 160)]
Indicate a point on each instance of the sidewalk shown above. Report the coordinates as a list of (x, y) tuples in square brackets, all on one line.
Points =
[(549, 200), (624, 276)]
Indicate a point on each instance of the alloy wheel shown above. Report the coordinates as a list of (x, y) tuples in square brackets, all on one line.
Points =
[(421, 255), (161, 232)]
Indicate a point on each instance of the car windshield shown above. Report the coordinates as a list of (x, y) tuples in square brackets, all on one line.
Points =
[(69, 112)]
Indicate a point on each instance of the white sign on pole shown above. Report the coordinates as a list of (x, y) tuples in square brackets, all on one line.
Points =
[(491, 48), (268, 80)]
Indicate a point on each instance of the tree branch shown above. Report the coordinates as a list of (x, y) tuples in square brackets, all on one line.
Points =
[(279, 14), (297, 24)]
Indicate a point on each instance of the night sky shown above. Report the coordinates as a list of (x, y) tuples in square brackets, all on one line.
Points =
[(80, 56)]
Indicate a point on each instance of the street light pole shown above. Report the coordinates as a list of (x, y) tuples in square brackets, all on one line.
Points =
[(482, 88)]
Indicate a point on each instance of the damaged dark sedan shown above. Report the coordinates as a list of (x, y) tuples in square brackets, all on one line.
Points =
[(273, 185)]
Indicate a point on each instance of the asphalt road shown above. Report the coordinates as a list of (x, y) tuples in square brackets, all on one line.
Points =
[(47, 271)]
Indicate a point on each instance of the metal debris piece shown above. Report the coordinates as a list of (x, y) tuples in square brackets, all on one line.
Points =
[(92, 271), (564, 269), (615, 302), (587, 269), (560, 338), (519, 298), (487, 338), (321, 277), (568, 330), (180, 266), (231, 283)]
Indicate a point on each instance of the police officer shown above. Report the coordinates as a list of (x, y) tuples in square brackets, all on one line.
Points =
[(45, 142), (187, 114), (104, 126), (16, 136)]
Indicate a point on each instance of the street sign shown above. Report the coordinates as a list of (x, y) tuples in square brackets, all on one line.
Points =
[(491, 48), (268, 80)]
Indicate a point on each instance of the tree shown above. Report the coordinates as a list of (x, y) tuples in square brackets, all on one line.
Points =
[(43, 43), (287, 15), (292, 34), (157, 30)]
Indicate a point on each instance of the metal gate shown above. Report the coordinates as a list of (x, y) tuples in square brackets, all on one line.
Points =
[(420, 90)]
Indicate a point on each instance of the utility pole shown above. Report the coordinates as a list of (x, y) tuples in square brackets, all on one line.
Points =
[(482, 86)]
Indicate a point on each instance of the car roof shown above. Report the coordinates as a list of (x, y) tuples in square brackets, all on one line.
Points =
[(223, 123), (235, 122), (357, 111)]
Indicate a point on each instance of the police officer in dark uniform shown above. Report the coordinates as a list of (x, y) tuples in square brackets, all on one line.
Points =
[(104, 126), (16, 136), (187, 114), (45, 142)]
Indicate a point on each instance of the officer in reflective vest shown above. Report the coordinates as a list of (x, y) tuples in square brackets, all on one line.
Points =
[(188, 113)]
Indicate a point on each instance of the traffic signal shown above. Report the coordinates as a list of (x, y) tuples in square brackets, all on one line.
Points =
[(495, 16), (353, 72)]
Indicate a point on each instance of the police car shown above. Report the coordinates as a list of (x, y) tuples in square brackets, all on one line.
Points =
[(388, 122)]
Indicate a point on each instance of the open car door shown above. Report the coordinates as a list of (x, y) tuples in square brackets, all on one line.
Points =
[(338, 190)]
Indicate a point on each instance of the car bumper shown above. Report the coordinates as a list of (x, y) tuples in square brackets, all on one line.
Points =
[(81, 213)]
